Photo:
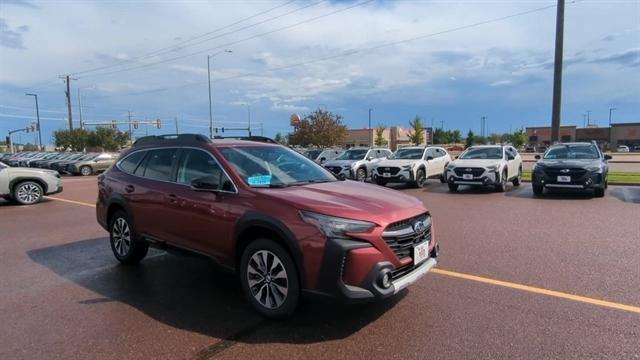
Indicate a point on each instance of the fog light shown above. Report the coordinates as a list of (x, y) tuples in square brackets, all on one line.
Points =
[(385, 278)]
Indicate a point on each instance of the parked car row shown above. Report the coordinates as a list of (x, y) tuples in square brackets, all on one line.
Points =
[(75, 163)]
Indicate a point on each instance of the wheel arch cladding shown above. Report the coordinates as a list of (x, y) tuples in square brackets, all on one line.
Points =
[(118, 203), (254, 225), (13, 183)]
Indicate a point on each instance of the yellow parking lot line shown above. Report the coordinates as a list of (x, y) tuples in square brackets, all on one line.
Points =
[(71, 201), (541, 291)]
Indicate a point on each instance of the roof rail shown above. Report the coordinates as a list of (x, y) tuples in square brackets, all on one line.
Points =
[(249, 138), (173, 138)]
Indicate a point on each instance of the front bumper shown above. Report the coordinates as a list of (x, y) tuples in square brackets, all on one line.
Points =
[(486, 178), (57, 191), (348, 173), (343, 258), (402, 176), (588, 180)]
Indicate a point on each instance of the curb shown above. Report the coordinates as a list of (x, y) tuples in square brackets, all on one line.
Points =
[(610, 183)]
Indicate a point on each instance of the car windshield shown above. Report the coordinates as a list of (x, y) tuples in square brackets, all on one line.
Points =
[(409, 154), (482, 153), (572, 152), (274, 166), (312, 154), (354, 154)]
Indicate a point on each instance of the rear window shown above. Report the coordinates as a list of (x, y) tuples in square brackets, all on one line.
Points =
[(159, 164), (130, 163)]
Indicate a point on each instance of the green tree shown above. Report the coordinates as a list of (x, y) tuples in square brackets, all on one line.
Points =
[(320, 128), (456, 137), (380, 140), (75, 139), (107, 139), (494, 138), (505, 138), (417, 135), (279, 138), (518, 138), (470, 139)]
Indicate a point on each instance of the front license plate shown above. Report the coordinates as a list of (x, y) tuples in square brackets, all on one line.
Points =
[(564, 178), (420, 253), (386, 175), (467, 176)]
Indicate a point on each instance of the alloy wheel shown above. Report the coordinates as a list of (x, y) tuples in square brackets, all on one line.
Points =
[(267, 279), (85, 171), (121, 237), (29, 193), (361, 174)]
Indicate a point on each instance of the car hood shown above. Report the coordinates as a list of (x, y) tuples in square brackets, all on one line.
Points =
[(476, 162), (396, 162), (569, 162), (23, 171), (339, 162), (350, 199)]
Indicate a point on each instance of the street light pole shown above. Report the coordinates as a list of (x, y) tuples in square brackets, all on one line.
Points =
[(209, 81), (610, 133), (38, 117)]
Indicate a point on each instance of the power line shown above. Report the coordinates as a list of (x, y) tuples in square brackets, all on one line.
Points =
[(352, 51), (233, 42), (180, 44)]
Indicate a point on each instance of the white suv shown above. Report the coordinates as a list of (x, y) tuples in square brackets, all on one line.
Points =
[(357, 163), (412, 165), (27, 186), (486, 165)]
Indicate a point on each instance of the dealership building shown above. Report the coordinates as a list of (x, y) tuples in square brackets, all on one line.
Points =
[(395, 136), (618, 134)]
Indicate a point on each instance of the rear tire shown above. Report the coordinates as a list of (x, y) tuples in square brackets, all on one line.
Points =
[(453, 187), (127, 247), (86, 170), (537, 189), (269, 279), (27, 193)]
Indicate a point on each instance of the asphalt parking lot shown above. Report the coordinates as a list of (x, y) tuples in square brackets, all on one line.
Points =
[(519, 277)]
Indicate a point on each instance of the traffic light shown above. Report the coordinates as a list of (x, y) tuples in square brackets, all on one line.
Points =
[(158, 124), (27, 129), (223, 130), (216, 129), (135, 124), (114, 124)]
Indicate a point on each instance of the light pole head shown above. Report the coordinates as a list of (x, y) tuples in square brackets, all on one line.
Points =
[(31, 94)]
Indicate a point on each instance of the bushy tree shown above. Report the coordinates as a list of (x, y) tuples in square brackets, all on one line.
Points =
[(380, 140), (470, 140), (417, 135), (280, 139), (319, 128), (518, 138), (79, 139), (455, 137), (75, 139), (494, 138)]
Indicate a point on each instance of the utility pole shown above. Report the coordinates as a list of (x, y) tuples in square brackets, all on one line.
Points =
[(483, 120), (80, 107), (557, 74), (130, 131), (584, 120), (175, 119), (40, 131), (441, 124), (610, 132), (370, 135), (249, 118), (588, 118), (261, 129), (209, 81), (67, 79)]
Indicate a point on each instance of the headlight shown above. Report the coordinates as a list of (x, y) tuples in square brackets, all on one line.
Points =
[(594, 168), (346, 166), (493, 167), (408, 167), (334, 226), (451, 167)]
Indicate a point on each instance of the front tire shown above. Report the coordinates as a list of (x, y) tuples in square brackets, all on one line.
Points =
[(420, 178), (361, 174), (27, 193), (598, 192), (381, 182), (127, 247), (453, 187), (502, 186), (518, 180), (537, 189), (269, 279)]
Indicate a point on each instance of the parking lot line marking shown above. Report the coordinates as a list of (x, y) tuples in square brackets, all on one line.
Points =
[(71, 201), (536, 290)]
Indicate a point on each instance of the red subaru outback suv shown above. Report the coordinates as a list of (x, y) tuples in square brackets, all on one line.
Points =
[(285, 224)]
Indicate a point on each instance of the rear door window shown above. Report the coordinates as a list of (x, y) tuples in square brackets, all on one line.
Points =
[(159, 165)]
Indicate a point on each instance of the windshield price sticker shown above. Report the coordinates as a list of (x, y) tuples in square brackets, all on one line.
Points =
[(259, 180)]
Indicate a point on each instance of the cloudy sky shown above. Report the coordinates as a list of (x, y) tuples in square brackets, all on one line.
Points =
[(450, 62)]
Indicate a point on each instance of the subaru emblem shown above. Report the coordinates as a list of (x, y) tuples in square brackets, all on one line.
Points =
[(467, 170), (419, 227), (564, 171)]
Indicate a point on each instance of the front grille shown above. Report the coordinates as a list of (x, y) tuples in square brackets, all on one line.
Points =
[(390, 170), (401, 237), (400, 272), (334, 169), (477, 172), (573, 172)]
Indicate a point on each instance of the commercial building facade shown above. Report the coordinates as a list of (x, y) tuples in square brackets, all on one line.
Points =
[(608, 138), (394, 136)]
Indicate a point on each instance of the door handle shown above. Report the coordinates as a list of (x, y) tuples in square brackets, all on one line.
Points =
[(129, 188), (172, 198)]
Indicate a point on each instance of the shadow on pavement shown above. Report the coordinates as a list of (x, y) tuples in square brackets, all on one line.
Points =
[(191, 293), (626, 194)]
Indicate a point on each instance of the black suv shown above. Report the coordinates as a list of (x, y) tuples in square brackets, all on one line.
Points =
[(571, 166)]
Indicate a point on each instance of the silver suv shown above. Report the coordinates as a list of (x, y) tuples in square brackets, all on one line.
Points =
[(357, 163)]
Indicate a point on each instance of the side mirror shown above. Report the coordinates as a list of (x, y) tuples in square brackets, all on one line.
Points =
[(607, 157), (342, 177), (511, 157), (322, 160), (429, 158), (369, 158), (537, 157), (455, 157), (209, 183)]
